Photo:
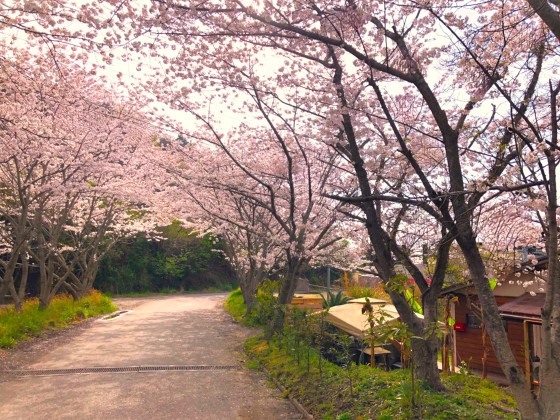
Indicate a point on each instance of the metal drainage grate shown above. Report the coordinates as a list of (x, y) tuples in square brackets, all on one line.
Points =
[(125, 369)]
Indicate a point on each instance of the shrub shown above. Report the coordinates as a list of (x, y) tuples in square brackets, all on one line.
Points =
[(235, 305), (376, 291)]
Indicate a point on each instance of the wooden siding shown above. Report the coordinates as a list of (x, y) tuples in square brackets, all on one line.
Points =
[(469, 342), (307, 302)]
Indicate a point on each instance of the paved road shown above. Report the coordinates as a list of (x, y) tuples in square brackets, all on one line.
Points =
[(185, 330)]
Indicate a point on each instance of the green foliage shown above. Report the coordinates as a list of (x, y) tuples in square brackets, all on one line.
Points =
[(334, 300), (181, 260), (398, 283), (376, 292), (266, 305), (235, 305), (376, 393), (62, 312)]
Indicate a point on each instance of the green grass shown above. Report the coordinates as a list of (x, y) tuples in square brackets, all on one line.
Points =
[(374, 393), (235, 305), (62, 312)]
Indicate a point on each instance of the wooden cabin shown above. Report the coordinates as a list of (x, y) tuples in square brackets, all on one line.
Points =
[(520, 304)]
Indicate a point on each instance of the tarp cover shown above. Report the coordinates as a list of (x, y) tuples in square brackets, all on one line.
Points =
[(349, 317)]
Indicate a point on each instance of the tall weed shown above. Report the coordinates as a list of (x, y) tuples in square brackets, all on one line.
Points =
[(376, 292)]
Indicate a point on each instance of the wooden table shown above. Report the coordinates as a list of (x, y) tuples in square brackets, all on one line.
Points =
[(378, 351)]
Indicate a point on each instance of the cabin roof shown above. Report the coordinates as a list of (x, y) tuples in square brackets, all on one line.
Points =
[(525, 306)]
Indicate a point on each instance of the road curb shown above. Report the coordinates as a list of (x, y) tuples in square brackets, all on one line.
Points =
[(281, 387), (300, 408)]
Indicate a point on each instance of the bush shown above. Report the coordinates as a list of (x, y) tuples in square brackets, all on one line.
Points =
[(182, 260), (266, 305), (334, 300), (235, 305), (376, 292)]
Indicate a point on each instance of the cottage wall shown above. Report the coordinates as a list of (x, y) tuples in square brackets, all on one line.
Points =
[(469, 343)]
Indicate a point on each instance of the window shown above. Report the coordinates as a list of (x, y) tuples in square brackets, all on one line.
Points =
[(472, 321)]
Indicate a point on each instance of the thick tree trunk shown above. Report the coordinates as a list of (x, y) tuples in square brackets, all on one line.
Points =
[(426, 363), (288, 289), (549, 378), (491, 317), (24, 276), (424, 355), (249, 292), (289, 284), (18, 303), (249, 283)]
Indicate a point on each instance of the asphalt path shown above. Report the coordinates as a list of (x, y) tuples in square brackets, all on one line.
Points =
[(190, 332)]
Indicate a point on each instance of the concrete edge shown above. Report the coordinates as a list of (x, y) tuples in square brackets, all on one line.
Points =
[(281, 387)]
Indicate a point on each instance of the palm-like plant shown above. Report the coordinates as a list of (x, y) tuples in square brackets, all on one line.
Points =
[(334, 300)]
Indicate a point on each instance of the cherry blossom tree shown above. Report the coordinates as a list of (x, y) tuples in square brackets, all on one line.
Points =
[(399, 53), (264, 185), (451, 102), (248, 233), (65, 142)]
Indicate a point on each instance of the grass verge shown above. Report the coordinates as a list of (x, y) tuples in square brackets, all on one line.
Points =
[(235, 306), (62, 312), (329, 391), (165, 292)]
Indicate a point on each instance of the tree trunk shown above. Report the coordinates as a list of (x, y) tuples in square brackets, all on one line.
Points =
[(491, 317), (549, 378), (424, 356), (24, 275), (3, 291), (288, 289), (289, 284), (249, 297)]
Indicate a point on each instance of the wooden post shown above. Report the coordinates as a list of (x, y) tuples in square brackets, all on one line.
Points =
[(485, 353), (372, 344), (527, 353), (445, 349)]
